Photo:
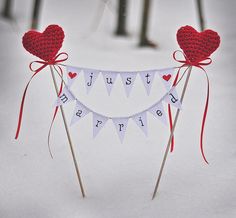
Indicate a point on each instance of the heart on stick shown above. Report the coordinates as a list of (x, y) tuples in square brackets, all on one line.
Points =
[(44, 45), (197, 46)]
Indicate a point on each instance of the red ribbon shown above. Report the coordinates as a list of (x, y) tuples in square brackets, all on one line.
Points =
[(199, 64), (44, 64)]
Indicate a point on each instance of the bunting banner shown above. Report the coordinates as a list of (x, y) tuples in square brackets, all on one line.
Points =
[(196, 50), (127, 78), (120, 123)]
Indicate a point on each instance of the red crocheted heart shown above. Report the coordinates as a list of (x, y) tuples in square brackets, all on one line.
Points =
[(197, 46), (44, 45)]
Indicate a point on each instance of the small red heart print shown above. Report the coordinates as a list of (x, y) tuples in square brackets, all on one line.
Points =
[(166, 77), (72, 75)]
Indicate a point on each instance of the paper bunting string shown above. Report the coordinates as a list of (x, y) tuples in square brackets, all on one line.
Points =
[(120, 123), (128, 78)]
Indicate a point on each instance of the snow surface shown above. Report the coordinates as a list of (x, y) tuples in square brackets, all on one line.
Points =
[(118, 178)]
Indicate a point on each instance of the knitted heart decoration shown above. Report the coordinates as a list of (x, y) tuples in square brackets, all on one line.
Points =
[(44, 45), (197, 46)]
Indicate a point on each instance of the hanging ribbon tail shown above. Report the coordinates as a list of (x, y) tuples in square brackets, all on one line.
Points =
[(170, 114), (55, 61), (171, 126), (55, 112), (204, 119), (23, 102)]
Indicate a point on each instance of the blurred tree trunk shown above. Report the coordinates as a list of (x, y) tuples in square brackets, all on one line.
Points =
[(121, 21), (144, 41), (35, 15), (200, 14), (7, 13)]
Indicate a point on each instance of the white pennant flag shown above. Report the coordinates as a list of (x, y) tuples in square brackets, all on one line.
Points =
[(79, 112), (109, 80), (147, 78), (72, 74), (98, 123), (166, 77), (64, 97), (158, 111), (128, 79), (120, 124), (141, 121), (173, 99), (90, 76)]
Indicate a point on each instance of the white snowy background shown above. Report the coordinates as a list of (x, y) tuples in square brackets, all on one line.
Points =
[(118, 178)]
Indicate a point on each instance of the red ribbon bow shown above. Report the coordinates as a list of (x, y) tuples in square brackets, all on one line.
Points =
[(186, 63), (54, 61)]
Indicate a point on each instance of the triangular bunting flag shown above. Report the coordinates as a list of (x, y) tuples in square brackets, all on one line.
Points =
[(166, 77), (109, 80), (64, 97), (90, 76), (120, 124), (173, 99), (98, 123), (158, 111), (79, 112), (128, 79), (72, 74), (147, 78), (141, 121)]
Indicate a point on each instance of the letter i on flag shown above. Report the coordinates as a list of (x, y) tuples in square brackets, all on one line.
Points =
[(141, 121)]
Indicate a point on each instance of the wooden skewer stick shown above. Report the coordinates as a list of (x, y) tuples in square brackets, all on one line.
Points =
[(68, 136), (171, 135)]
